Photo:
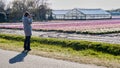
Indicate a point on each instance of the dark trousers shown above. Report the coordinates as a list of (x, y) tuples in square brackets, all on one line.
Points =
[(27, 43)]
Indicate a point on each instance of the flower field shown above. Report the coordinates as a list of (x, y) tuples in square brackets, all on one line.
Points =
[(93, 26)]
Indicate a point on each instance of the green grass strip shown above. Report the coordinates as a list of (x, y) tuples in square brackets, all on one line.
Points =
[(113, 49)]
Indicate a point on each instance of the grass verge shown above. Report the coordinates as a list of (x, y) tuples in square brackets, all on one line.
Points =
[(73, 50)]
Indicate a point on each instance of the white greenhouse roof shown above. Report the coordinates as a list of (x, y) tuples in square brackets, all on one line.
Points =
[(60, 11), (93, 11), (84, 11)]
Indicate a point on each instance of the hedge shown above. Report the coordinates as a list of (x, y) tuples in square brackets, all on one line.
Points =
[(113, 49)]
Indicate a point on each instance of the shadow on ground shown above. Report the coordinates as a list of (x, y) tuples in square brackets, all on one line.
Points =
[(18, 58)]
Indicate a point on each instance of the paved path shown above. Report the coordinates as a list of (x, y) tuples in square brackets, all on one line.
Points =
[(109, 38), (10, 59)]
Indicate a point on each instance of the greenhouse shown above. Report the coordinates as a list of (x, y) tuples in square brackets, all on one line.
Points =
[(80, 14)]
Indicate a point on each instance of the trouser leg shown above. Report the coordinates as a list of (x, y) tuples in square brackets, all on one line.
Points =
[(27, 43)]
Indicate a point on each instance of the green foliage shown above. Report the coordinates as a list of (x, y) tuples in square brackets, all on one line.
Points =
[(2, 17), (75, 44), (12, 37)]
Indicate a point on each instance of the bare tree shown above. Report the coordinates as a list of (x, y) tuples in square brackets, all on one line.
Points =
[(19, 5), (38, 8), (2, 6), (41, 9)]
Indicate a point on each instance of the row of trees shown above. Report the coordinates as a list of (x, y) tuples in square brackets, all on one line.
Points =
[(2, 11), (2, 6), (15, 9)]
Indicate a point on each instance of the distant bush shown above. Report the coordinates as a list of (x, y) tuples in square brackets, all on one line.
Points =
[(2, 17)]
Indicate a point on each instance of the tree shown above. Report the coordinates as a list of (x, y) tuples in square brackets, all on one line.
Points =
[(2, 6), (49, 14), (38, 8), (18, 7), (42, 12), (42, 9), (2, 11), (2, 17)]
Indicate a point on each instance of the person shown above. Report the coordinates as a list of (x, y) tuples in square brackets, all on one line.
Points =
[(27, 21)]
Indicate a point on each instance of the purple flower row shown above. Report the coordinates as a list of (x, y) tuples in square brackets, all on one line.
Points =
[(68, 25)]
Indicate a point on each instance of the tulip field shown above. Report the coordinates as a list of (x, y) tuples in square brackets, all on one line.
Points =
[(93, 26)]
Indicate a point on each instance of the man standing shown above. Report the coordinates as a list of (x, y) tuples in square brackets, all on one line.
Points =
[(27, 21)]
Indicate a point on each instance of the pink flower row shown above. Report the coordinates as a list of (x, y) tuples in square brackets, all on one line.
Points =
[(68, 25)]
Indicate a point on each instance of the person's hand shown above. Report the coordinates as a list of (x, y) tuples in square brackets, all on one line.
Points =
[(29, 16)]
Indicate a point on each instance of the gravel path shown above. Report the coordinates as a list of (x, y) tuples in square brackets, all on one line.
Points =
[(10, 59), (109, 38)]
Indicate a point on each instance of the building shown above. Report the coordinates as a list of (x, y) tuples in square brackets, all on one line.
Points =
[(80, 14), (59, 14), (115, 14)]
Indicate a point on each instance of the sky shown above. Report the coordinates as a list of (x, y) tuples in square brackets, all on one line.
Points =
[(70, 4)]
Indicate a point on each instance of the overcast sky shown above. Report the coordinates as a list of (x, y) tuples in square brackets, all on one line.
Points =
[(69, 4), (104, 4)]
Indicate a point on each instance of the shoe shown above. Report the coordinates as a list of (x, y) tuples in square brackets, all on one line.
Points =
[(28, 49), (23, 51)]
